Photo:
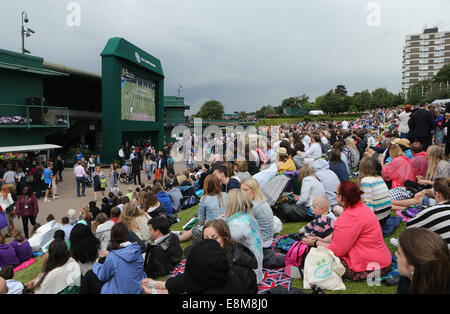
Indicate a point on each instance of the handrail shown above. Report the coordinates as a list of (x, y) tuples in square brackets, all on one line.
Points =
[(30, 116)]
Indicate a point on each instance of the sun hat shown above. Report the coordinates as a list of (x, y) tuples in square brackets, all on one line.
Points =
[(402, 141), (281, 151)]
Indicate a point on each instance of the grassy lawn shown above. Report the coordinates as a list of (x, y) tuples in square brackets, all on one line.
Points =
[(352, 287)]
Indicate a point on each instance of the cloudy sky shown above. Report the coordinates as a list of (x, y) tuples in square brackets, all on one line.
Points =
[(244, 53)]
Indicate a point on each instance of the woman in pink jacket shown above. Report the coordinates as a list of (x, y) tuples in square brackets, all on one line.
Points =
[(357, 238), (399, 170)]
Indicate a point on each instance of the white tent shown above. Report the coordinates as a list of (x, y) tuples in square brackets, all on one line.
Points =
[(440, 101)]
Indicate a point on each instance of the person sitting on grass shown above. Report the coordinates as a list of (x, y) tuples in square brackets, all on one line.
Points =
[(211, 206), (322, 226), (241, 260), (424, 262), (61, 273), (119, 271), (357, 237), (164, 252), (14, 286), (8, 256), (21, 246)]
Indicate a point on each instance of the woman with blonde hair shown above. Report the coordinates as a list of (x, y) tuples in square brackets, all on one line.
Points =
[(243, 226), (438, 166), (310, 188), (136, 220), (399, 169), (6, 206), (264, 216)]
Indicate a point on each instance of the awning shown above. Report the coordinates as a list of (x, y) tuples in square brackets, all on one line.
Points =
[(15, 67), (28, 148)]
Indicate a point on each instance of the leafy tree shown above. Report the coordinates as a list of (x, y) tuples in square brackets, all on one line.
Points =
[(295, 102), (362, 100), (211, 110), (381, 98), (242, 115), (443, 76), (265, 111), (341, 90)]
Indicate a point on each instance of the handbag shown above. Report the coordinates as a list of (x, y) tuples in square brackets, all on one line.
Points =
[(3, 221), (323, 269)]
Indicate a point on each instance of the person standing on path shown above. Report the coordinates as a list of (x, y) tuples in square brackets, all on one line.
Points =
[(80, 175)]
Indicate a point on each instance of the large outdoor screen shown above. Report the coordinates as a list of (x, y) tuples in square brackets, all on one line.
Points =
[(138, 97)]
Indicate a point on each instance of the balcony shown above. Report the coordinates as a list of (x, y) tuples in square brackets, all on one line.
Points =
[(31, 117)]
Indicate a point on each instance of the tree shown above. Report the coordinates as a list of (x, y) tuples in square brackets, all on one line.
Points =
[(443, 76), (362, 100), (341, 90), (381, 98), (295, 102), (242, 115), (265, 111), (329, 103), (211, 110)]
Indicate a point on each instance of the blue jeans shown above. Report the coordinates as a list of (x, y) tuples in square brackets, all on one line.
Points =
[(81, 182)]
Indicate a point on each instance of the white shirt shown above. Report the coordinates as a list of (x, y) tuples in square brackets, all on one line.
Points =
[(121, 154), (345, 125), (314, 152)]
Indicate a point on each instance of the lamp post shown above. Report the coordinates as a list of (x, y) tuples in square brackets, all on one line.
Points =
[(25, 33)]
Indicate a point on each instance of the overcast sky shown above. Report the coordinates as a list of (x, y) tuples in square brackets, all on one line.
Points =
[(244, 53)]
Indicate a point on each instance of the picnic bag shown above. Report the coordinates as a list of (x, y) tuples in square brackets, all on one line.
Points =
[(296, 255), (286, 242), (189, 201), (323, 269)]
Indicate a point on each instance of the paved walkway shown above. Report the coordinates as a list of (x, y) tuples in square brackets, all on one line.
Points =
[(68, 199)]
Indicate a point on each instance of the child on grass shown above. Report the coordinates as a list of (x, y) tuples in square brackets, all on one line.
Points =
[(322, 226)]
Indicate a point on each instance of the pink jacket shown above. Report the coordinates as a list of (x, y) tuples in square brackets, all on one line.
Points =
[(420, 164), (398, 171), (358, 239)]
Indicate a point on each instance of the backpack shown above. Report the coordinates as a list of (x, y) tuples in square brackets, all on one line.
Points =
[(189, 201), (287, 241), (296, 255)]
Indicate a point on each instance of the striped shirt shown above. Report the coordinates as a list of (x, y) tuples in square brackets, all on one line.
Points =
[(376, 196), (320, 227), (436, 219)]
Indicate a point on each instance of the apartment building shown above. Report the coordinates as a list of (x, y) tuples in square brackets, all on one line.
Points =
[(424, 55)]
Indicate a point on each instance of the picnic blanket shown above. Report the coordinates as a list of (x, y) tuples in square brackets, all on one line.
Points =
[(271, 277)]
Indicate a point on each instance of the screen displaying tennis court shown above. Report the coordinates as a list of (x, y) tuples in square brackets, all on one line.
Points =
[(138, 97)]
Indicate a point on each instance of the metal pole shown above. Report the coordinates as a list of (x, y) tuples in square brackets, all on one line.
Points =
[(23, 36)]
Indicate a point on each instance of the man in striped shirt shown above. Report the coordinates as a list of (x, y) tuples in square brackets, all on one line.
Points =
[(436, 218)]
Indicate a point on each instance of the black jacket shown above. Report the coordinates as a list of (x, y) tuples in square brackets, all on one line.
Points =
[(242, 264), (421, 123), (162, 258), (135, 165), (241, 278)]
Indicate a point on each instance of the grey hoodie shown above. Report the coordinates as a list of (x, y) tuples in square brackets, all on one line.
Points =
[(328, 178)]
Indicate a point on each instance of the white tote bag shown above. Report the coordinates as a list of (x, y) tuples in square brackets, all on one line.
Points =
[(323, 269)]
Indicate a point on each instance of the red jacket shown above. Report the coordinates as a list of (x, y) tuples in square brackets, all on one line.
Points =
[(358, 239), (31, 204)]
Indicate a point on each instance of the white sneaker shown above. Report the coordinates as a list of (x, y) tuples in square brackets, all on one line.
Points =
[(46, 200)]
